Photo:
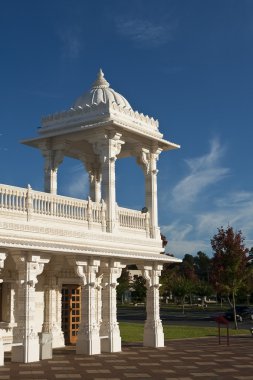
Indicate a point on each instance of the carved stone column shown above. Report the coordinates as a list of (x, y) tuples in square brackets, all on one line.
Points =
[(52, 322), (95, 177), (8, 294), (108, 148), (153, 329), (53, 158), (147, 158), (28, 268), (109, 331), (88, 340), (99, 299), (3, 256), (93, 167)]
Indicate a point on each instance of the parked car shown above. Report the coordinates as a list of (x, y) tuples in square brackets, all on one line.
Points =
[(242, 313)]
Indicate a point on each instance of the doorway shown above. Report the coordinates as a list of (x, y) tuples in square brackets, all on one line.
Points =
[(71, 312)]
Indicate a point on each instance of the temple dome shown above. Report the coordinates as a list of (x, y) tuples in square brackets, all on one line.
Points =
[(101, 92)]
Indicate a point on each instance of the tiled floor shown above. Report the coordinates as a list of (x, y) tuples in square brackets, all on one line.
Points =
[(193, 359)]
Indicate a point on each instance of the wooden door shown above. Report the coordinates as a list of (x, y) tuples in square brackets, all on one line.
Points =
[(71, 312)]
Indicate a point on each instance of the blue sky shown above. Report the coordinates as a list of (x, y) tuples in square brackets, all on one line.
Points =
[(187, 63)]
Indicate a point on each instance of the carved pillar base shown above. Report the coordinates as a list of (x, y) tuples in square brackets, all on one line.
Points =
[(56, 334), (27, 353), (88, 340), (112, 341), (57, 338), (52, 313), (46, 349), (153, 334), (109, 331), (153, 329), (26, 347), (1, 351)]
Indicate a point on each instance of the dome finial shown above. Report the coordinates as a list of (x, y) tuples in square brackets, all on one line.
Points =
[(100, 82)]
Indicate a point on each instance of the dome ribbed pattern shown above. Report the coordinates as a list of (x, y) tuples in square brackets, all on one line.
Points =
[(101, 93)]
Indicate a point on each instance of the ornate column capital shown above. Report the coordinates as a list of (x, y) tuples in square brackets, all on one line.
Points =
[(151, 274), (3, 256), (92, 164), (87, 270), (147, 158), (29, 266), (53, 154), (111, 271), (108, 146)]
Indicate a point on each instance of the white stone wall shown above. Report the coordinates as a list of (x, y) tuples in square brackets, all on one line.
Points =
[(39, 305)]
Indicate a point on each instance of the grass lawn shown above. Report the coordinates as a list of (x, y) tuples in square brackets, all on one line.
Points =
[(133, 332)]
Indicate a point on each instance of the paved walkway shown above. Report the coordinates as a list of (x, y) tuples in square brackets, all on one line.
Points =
[(192, 359)]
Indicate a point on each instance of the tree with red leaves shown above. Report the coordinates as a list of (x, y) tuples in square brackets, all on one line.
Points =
[(164, 240), (229, 270)]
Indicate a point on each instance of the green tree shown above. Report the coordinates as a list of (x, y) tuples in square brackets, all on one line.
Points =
[(229, 264), (168, 275), (164, 240), (202, 266), (123, 285), (251, 254), (139, 289), (187, 268), (181, 288), (203, 289), (249, 287)]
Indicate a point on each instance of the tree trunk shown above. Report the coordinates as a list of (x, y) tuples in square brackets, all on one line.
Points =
[(234, 310), (229, 301), (183, 303)]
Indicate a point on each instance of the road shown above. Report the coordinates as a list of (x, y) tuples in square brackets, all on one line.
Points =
[(171, 317)]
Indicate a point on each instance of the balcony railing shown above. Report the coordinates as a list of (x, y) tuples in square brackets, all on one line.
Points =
[(30, 202), (133, 219)]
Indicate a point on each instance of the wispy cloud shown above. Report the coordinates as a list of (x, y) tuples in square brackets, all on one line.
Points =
[(72, 44), (180, 242), (146, 33), (78, 183), (181, 247), (177, 230), (204, 171), (235, 209)]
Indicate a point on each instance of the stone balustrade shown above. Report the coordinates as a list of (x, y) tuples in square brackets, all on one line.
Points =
[(33, 203), (133, 218)]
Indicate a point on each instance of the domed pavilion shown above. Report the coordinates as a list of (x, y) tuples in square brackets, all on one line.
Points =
[(61, 257)]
